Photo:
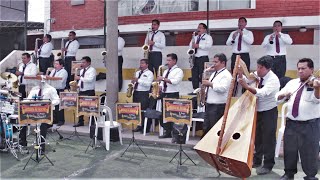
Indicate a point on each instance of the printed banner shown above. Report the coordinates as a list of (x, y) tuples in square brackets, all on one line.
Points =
[(68, 100), (177, 110), (88, 106), (128, 113), (32, 112)]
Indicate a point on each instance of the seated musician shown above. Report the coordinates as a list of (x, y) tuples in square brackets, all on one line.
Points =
[(59, 85), (265, 141)]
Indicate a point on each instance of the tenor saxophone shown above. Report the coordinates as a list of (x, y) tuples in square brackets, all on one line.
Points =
[(155, 92), (131, 85), (191, 51), (146, 47)]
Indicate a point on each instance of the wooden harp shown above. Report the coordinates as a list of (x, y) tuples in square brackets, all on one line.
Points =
[(229, 145)]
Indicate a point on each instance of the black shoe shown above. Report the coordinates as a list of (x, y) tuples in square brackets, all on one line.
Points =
[(263, 170), (78, 124), (256, 165), (139, 128), (189, 79), (165, 136), (287, 177), (60, 123), (192, 93)]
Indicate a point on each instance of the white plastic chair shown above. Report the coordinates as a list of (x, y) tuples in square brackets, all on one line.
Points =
[(106, 125), (195, 120), (281, 129), (158, 108), (104, 103)]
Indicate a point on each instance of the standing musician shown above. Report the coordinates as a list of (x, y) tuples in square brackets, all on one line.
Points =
[(26, 68), (201, 44), (70, 50), (267, 116), (276, 46), (240, 40), (142, 82), (302, 130), (87, 80), (44, 53), (46, 92), (156, 41), (121, 44), (217, 88), (169, 87), (59, 85)]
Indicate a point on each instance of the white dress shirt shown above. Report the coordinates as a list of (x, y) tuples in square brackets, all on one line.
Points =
[(218, 93), (205, 44), (59, 84), (48, 93), (45, 50), (145, 80), (265, 95), (284, 40), (30, 70), (121, 44), (72, 48), (175, 76), (247, 40), (89, 79), (309, 106), (159, 41)]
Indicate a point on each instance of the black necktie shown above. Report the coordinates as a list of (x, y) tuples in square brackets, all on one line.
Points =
[(260, 83), (40, 93), (84, 71), (69, 42), (136, 84), (165, 83), (24, 68), (198, 41), (151, 46)]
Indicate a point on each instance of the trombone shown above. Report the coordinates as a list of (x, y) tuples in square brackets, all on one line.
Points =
[(146, 46)]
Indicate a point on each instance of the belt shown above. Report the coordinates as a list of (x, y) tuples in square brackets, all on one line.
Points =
[(211, 104), (154, 51), (278, 56), (44, 57), (240, 53), (303, 122)]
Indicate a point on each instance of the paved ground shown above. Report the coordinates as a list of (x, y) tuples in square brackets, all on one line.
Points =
[(71, 161)]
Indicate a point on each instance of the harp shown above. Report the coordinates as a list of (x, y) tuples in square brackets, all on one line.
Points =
[(229, 145)]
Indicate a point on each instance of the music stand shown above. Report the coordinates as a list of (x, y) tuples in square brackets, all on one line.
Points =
[(75, 133), (92, 143), (133, 142)]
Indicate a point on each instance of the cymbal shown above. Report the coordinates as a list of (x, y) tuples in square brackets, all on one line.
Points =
[(9, 76)]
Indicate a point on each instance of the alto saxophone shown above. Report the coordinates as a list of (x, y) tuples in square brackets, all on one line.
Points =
[(146, 47), (155, 93), (191, 51), (202, 94), (61, 53), (131, 85), (74, 84)]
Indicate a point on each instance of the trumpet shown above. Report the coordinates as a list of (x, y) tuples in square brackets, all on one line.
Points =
[(192, 51), (131, 85), (61, 53), (146, 46)]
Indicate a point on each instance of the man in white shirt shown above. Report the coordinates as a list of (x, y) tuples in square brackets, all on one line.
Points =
[(121, 44), (217, 88), (70, 51), (86, 82), (142, 82), (26, 68), (201, 44), (267, 116), (241, 41), (157, 42), (302, 130), (44, 53), (276, 46), (169, 87), (59, 85)]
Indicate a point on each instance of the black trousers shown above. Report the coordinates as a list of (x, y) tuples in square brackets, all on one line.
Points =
[(120, 62), (301, 137), (197, 70), (143, 98), (279, 65), (212, 115), (44, 63), (244, 56), (58, 115), (23, 132), (85, 93), (67, 66), (155, 60), (265, 141), (169, 125)]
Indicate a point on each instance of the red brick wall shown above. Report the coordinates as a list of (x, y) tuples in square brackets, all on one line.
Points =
[(90, 15)]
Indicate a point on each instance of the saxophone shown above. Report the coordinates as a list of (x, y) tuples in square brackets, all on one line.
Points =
[(73, 84), (131, 85), (191, 52), (201, 93), (155, 93), (61, 53), (146, 47)]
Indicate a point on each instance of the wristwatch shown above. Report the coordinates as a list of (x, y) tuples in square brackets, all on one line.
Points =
[(162, 79)]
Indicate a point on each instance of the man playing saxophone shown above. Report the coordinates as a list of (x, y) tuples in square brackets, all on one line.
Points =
[(142, 82), (170, 87), (217, 92), (44, 53)]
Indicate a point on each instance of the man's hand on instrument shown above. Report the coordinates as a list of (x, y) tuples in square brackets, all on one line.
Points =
[(286, 96), (243, 83), (160, 78), (134, 80), (240, 72), (195, 46), (151, 42), (63, 49), (316, 83), (207, 83), (76, 77), (18, 73)]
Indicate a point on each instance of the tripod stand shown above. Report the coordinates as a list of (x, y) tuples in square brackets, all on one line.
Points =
[(133, 142), (37, 149), (75, 132), (180, 152), (94, 139)]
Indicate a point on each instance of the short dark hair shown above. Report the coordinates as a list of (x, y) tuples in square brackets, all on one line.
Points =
[(26, 54), (265, 61), (243, 19), (222, 57), (61, 61), (86, 58), (72, 32), (308, 61), (277, 21), (145, 61), (49, 37), (173, 56), (204, 25), (156, 21)]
